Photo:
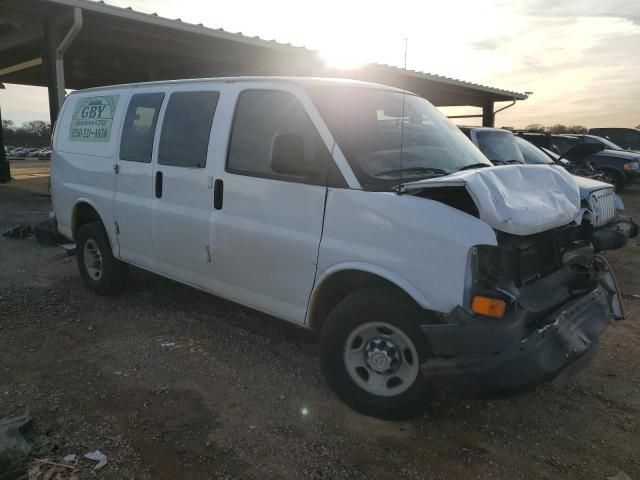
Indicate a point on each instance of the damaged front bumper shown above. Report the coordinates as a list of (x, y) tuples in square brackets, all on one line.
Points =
[(615, 234), (483, 356)]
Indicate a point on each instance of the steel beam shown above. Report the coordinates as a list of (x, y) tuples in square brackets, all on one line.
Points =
[(20, 66)]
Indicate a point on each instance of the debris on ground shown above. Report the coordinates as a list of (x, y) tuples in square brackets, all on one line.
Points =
[(620, 476), (14, 448), (70, 248), (45, 469), (21, 231), (45, 232), (97, 456)]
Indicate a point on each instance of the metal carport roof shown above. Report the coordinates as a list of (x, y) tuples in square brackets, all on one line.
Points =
[(120, 45)]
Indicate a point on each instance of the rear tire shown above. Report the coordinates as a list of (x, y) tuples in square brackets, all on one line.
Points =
[(100, 271), (371, 349)]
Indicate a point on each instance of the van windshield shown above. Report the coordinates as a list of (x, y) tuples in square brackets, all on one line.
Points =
[(389, 137), (499, 146)]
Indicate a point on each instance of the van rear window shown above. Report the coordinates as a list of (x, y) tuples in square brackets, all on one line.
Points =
[(140, 127)]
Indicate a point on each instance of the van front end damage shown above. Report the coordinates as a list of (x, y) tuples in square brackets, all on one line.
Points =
[(559, 296)]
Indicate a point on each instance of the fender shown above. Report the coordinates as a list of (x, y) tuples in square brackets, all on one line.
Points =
[(397, 280), (108, 226)]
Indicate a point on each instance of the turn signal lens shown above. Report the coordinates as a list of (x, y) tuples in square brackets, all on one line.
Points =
[(489, 307)]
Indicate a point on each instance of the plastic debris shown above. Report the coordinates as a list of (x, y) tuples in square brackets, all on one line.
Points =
[(70, 458), (70, 248), (13, 446), (620, 476), (21, 231), (97, 456)]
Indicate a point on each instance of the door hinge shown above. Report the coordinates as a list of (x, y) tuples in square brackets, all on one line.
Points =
[(208, 254), (117, 229), (116, 168)]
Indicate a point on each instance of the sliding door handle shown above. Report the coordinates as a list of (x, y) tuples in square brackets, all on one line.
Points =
[(158, 184), (218, 192)]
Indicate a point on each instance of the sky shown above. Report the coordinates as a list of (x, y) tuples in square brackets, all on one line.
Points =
[(580, 58)]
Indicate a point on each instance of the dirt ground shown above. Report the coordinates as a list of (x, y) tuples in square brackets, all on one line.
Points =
[(172, 383)]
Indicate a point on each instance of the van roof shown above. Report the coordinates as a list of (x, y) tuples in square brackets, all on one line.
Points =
[(301, 81)]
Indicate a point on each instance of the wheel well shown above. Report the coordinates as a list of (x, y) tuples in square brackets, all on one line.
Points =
[(335, 288), (613, 170), (83, 214)]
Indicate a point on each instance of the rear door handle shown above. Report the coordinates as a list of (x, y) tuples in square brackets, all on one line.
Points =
[(158, 184), (218, 192)]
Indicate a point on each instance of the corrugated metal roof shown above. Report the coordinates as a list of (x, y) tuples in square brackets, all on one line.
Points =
[(154, 18)]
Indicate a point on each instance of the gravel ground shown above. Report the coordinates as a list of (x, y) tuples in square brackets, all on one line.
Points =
[(170, 382)]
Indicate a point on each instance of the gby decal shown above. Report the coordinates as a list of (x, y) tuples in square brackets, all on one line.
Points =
[(92, 119)]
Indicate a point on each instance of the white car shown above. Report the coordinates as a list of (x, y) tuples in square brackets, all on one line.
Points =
[(353, 209), (601, 205)]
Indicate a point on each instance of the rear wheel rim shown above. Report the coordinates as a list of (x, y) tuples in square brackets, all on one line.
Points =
[(93, 260), (381, 359)]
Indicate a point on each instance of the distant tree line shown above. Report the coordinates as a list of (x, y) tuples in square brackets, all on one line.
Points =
[(36, 133), (557, 128)]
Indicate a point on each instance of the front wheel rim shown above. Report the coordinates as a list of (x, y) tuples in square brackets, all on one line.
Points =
[(93, 260), (381, 359)]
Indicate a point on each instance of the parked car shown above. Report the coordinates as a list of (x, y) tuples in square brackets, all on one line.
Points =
[(43, 153), (621, 167), (608, 144), (599, 199), (18, 152), (352, 209), (627, 138)]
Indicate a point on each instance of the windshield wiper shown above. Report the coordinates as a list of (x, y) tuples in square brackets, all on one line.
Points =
[(437, 171), (507, 162), (473, 166)]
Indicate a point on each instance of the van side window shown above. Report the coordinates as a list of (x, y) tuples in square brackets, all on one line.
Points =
[(273, 123), (139, 128), (186, 128)]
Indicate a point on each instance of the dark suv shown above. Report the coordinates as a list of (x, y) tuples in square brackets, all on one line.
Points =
[(620, 166), (627, 138)]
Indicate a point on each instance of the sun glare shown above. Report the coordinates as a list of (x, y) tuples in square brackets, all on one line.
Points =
[(342, 58)]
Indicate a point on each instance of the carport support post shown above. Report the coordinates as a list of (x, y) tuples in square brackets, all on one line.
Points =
[(51, 39), (5, 169), (488, 117)]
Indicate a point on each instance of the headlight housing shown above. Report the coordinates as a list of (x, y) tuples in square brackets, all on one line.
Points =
[(630, 166)]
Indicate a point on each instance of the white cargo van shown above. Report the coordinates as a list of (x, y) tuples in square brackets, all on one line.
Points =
[(353, 209)]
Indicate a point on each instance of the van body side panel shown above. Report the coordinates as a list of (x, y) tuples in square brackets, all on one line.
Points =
[(84, 155), (424, 243)]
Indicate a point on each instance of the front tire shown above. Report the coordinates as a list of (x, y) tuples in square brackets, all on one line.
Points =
[(100, 271), (371, 349)]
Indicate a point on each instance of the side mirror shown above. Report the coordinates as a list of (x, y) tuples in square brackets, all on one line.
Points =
[(287, 156)]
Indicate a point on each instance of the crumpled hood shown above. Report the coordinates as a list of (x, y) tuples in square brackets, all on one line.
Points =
[(589, 185), (516, 199)]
